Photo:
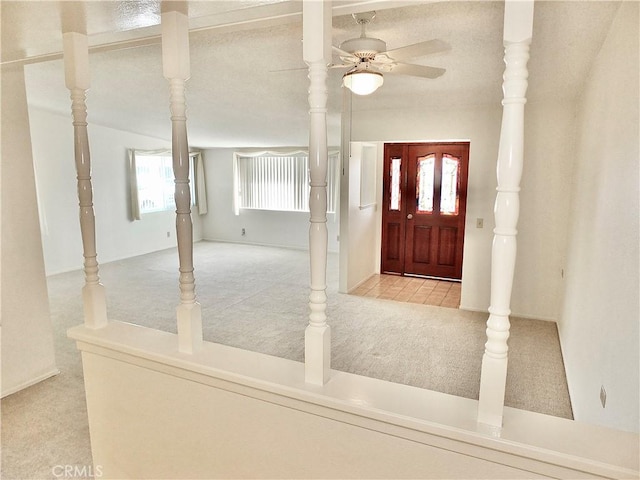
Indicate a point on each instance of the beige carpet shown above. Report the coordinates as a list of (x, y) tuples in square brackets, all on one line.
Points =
[(256, 298)]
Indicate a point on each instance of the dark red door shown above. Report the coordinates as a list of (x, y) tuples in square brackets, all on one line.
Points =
[(424, 202)]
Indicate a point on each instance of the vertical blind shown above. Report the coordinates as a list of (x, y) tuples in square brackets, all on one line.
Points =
[(270, 181)]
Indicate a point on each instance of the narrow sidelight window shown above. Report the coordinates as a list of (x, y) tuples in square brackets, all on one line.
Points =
[(395, 183)]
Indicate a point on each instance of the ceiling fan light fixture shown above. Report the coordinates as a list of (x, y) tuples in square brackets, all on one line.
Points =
[(362, 82)]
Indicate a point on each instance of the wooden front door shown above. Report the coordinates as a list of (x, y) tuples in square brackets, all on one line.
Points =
[(424, 202)]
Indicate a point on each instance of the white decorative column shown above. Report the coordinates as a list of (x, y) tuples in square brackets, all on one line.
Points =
[(518, 26), (175, 61), (316, 26), (76, 65)]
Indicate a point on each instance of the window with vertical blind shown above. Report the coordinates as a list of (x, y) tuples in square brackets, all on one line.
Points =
[(279, 181)]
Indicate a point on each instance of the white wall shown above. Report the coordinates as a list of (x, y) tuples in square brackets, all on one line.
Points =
[(545, 200), (117, 236), (359, 226), (231, 413), (599, 324), (262, 227), (27, 339), (542, 229)]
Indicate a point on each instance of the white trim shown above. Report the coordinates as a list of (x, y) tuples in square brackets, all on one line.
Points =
[(368, 176), (29, 383)]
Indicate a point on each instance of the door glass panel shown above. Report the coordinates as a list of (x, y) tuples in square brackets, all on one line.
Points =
[(395, 183), (424, 184), (449, 197)]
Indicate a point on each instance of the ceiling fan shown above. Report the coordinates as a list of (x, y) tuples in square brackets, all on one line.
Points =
[(368, 58)]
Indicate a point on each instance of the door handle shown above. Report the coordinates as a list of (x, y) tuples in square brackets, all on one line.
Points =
[(410, 216)]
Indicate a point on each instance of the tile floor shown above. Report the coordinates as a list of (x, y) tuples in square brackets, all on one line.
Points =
[(410, 289)]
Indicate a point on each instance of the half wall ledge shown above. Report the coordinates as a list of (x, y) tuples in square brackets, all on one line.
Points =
[(225, 412)]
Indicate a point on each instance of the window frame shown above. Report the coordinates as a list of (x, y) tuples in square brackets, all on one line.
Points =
[(167, 158), (268, 198)]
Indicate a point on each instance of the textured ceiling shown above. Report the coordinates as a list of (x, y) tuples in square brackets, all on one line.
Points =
[(236, 95)]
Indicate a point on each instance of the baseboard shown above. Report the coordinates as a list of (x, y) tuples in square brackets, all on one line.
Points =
[(470, 309), (360, 283), (512, 314), (29, 383), (566, 373), (125, 257), (117, 259), (111, 260), (258, 244)]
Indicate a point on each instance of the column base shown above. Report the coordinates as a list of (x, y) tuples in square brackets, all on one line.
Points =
[(317, 354), (189, 327), (492, 388), (94, 306)]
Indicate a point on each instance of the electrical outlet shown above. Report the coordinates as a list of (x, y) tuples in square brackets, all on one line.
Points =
[(244, 232), (168, 234), (603, 396), (479, 222)]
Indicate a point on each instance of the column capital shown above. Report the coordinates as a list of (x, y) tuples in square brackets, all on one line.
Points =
[(316, 28), (76, 60), (518, 21), (175, 45)]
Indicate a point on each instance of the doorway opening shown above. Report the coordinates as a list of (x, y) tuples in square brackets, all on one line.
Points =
[(423, 209)]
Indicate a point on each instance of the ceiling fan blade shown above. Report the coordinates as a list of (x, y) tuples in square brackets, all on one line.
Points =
[(417, 70), (343, 54), (288, 69), (330, 67), (417, 50), (339, 65)]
